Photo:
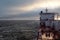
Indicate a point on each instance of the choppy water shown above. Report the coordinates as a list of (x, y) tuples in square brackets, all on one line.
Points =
[(15, 27)]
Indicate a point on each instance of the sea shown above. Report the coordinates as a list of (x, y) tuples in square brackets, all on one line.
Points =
[(18, 29)]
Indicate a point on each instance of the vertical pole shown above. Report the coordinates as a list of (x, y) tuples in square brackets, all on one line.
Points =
[(57, 16), (46, 10)]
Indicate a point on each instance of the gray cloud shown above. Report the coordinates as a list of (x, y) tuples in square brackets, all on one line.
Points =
[(22, 15), (5, 6), (7, 13)]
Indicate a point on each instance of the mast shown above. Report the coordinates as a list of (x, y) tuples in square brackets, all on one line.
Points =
[(46, 10)]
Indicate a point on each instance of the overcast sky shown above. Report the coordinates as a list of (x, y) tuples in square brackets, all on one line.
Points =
[(26, 9)]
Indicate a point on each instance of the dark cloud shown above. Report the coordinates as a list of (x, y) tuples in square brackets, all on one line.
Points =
[(22, 15), (8, 3), (7, 13)]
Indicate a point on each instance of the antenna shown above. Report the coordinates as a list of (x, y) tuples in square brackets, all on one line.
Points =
[(46, 10), (46, 6)]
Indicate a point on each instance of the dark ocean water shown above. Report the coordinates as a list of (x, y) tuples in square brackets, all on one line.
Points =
[(6, 23), (23, 28), (19, 24)]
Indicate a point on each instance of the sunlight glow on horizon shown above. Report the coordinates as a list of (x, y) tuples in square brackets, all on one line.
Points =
[(50, 4)]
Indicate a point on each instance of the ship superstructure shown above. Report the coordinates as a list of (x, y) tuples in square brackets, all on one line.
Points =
[(47, 29)]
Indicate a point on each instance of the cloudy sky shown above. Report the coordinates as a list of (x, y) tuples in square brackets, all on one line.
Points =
[(26, 9)]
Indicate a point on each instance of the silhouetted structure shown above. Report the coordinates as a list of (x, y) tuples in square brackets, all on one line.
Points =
[(47, 30)]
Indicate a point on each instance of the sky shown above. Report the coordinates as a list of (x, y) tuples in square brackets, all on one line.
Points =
[(26, 9)]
